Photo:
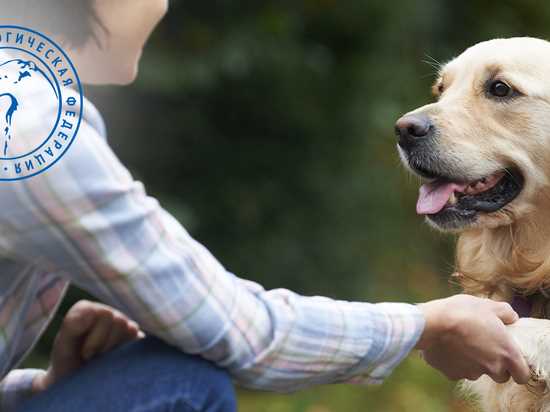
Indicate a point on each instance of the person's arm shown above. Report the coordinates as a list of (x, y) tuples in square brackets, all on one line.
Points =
[(31, 305), (316, 340), (98, 227)]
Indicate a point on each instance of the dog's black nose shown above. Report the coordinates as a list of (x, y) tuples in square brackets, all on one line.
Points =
[(411, 128)]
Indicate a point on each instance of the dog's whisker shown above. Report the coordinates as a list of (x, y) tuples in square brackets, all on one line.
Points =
[(431, 74), (432, 61), (511, 176), (433, 66)]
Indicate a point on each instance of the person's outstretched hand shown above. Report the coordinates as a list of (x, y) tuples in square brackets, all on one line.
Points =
[(89, 329), (466, 337)]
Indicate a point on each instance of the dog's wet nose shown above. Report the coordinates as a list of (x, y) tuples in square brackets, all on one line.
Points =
[(410, 128)]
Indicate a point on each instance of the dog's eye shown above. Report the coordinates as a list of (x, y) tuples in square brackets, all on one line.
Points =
[(500, 89)]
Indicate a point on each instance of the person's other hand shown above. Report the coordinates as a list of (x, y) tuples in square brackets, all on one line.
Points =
[(466, 337), (88, 329)]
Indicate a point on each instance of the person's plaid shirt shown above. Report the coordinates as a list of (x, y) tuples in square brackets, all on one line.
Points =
[(88, 222)]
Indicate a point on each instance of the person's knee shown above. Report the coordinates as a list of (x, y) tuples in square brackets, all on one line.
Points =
[(220, 395), (193, 381)]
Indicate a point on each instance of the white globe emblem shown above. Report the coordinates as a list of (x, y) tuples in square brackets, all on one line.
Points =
[(41, 103), (29, 104)]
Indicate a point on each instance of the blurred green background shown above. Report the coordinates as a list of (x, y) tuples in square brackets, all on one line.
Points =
[(266, 128)]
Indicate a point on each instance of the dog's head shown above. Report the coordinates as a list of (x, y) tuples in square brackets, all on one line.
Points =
[(484, 145)]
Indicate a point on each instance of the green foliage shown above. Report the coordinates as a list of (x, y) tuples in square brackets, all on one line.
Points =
[(413, 387), (269, 126), (266, 127)]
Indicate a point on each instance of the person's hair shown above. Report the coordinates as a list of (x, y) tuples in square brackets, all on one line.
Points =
[(74, 21)]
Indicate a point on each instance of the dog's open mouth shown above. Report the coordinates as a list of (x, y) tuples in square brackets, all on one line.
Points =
[(444, 196)]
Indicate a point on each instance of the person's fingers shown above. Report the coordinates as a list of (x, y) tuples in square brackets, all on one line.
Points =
[(75, 325), (499, 376), (78, 319), (98, 335), (134, 331), (66, 354), (505, 313), (517, 366), (122, 330)]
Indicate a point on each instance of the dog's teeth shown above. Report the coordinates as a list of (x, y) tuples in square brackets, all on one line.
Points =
[(452, 199)]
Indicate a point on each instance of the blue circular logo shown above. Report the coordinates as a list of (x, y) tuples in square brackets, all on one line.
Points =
[(41, 103)]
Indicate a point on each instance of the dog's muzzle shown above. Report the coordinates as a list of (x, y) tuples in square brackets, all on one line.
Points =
[(412, 129)]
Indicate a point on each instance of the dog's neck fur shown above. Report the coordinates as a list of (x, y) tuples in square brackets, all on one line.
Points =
[(502, 261)]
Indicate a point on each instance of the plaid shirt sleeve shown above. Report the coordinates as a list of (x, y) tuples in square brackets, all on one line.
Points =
[(41, 297), (93, 222), (17, 387)]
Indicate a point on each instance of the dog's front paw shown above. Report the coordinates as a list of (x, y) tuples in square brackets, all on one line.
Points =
[(533, 338)]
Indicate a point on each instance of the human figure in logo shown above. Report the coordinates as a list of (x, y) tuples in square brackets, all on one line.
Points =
[(23, 85)]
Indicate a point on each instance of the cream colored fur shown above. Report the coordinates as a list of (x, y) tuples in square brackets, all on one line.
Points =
[(533, 336), (508, 250)]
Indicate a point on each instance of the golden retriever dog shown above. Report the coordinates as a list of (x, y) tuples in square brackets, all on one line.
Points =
[(483, 151)]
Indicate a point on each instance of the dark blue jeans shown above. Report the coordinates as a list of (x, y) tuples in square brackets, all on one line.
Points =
[(143, 376)]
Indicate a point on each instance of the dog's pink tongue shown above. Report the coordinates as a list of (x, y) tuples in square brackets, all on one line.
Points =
[(433, 197)]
